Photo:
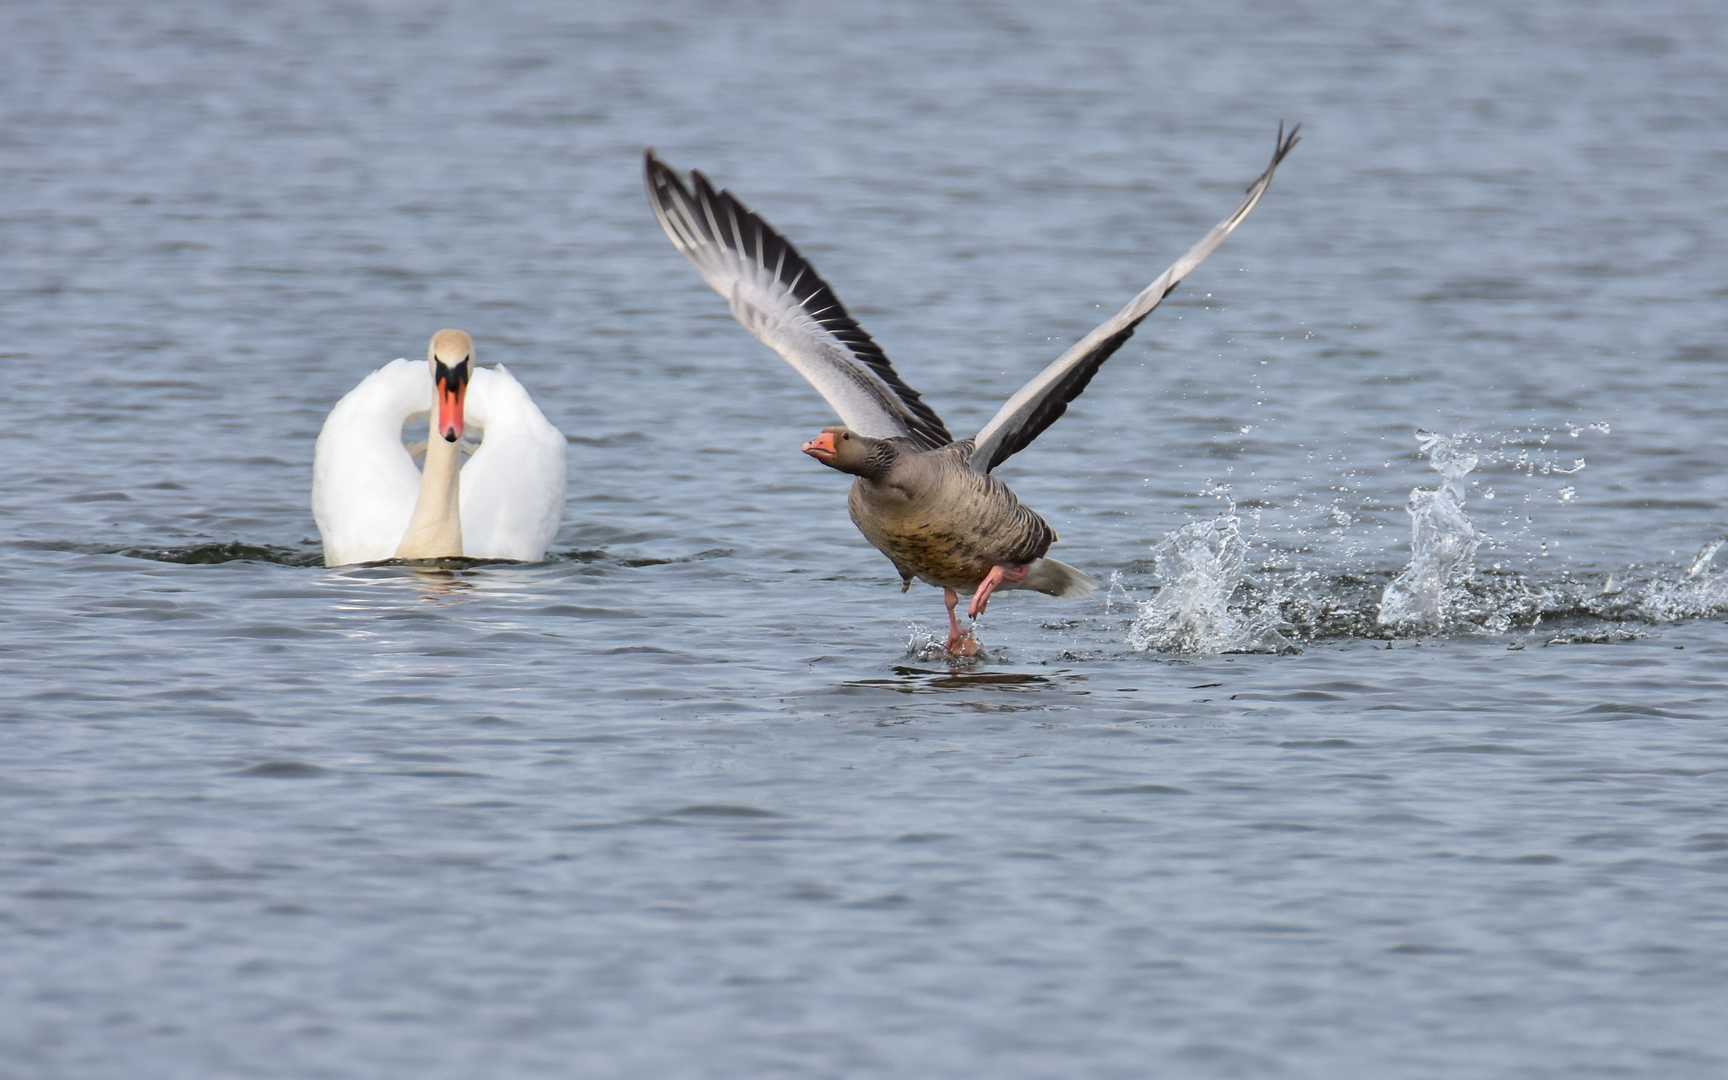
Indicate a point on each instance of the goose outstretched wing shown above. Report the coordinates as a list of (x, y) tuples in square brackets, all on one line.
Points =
[(778, 296), (1042, 401)]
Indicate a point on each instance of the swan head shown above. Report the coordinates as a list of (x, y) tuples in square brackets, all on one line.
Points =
[(451, 357), (849, 452)]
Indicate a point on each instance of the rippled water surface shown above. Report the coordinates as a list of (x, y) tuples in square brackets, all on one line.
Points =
[(693, 798)]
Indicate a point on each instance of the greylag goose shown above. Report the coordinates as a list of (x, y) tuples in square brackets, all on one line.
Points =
[(923, 498)]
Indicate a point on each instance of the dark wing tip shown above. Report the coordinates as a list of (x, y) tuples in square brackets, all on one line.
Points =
[(708, 193), (670, 200), (1281, 148), (660, 178)]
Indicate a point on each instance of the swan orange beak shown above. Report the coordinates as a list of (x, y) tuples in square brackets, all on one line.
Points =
[(452, 391), (822, 448)]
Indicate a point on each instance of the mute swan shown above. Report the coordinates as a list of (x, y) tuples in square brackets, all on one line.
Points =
[(371, 503), (922, 498)]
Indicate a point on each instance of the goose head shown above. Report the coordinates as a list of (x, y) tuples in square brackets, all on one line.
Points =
[(849, 452), (451, 357)]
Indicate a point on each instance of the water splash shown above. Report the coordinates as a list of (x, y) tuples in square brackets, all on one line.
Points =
[(1702, 592), (1199, 568), (1208, 599), (929, 645), (1705, 560), (1430, 591)]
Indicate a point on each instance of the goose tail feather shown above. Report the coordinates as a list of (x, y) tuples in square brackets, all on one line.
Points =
[(1055, 578)]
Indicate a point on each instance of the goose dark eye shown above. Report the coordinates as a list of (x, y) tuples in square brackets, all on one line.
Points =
[(845, 436)]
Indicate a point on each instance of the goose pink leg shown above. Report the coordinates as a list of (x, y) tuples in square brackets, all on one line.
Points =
[(999, 573), (960, 642)]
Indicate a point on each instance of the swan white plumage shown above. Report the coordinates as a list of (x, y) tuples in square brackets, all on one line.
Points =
[(372, 503)]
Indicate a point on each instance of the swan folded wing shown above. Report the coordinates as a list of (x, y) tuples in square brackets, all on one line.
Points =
[(1042, 401), (513, 490), (778, 296), (364, 484)]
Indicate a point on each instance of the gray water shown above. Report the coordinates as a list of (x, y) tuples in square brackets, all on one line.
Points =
[(691, 799)]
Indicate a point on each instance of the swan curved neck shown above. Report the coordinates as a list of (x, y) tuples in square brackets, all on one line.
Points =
[(435, 530)]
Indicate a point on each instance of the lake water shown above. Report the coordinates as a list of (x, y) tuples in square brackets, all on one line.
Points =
[(691, 798)]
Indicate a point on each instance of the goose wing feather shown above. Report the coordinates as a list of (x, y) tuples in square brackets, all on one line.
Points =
[(778, 296), (1042, 401)]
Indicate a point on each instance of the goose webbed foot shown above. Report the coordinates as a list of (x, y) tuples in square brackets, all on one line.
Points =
[(999, 573)]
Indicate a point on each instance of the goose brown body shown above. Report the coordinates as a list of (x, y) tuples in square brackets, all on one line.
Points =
[(939, 520)]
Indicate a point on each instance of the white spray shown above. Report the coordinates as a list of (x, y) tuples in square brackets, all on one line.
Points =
[(1442, 541)]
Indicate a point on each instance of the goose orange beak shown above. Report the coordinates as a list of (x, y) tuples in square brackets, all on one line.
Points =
[(822, 448)]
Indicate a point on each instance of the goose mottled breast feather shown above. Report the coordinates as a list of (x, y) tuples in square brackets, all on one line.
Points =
[(939, 520)]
